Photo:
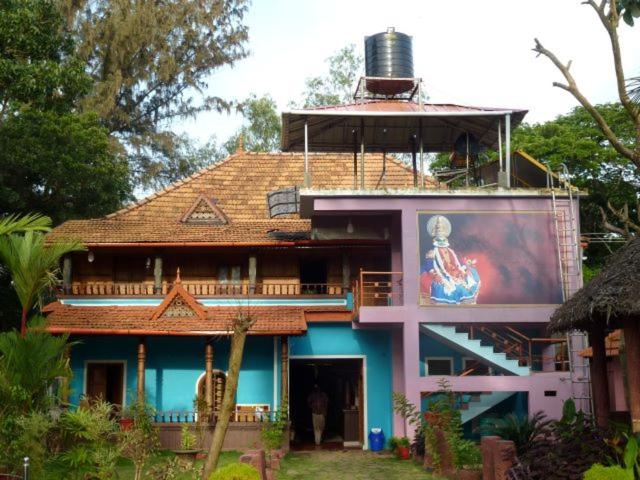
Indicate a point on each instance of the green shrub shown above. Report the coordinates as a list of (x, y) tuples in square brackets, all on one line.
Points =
[(600, 472), (235, 471)]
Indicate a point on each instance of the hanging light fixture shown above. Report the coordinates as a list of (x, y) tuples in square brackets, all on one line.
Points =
[(349, 226), (91, 257)]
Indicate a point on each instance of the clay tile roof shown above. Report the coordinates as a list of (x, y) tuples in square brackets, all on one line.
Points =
[(121, 320), (239, 185)]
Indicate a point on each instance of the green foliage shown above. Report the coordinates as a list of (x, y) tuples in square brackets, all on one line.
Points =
[(33, 266), (61, 164), (443, 414), (235, 471), (261, 131), (140, 441), (37, 67), (87, 436), (345, 66), (23, 435), (565, 449), (29, 367), (521, 430), (151, 63), (187, 438), (273, 431), (600, 472), (22, 223), (630, 9)]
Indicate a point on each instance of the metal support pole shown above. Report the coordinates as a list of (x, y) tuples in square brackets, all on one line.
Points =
[(362, 154), (421, 154), (307, 177), (413, 161), (26, 468), (500, 163), (507, 144)]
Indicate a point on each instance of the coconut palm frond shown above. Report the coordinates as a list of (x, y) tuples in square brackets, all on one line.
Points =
[(32, 264), (31, 222)]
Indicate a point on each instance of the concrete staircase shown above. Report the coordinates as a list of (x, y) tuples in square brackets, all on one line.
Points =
[(477, 404), (461, 342)]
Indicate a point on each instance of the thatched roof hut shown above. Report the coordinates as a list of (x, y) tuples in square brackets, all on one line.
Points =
[(610, 297), (611, 300)]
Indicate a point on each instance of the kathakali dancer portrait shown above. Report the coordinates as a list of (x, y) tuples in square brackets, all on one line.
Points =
[(487, 258), (447, 278)]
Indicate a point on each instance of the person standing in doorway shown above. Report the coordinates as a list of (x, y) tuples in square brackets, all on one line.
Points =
[(318, 402)]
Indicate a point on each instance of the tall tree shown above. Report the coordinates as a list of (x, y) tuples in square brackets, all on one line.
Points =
[(609, 12), (151, 63), (336, 86), (52, 159)]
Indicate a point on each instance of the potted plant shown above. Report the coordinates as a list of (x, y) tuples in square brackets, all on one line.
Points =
[(188, 451), (126, 418), (403, 448)]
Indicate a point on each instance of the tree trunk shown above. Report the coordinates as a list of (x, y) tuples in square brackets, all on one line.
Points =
[(226, 409)]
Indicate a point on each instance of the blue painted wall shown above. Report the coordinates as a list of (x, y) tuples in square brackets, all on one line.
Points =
[(174, 365), (341, 339), (432, 348)]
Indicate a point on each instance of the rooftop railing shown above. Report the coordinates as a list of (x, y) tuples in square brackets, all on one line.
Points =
[(206, 289)]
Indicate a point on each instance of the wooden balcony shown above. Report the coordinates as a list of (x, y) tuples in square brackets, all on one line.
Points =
[(205, 289), (380, 289)]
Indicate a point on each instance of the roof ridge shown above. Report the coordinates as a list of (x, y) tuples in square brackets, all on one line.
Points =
[(170, 187)]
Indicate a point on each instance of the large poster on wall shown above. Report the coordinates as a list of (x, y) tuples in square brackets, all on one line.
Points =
[(488, 258)]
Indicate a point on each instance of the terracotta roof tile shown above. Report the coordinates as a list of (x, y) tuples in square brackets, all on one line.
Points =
[(123, 320), (239, 186)]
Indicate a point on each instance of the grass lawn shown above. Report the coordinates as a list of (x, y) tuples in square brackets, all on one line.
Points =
[(349, 465), (125, 467)]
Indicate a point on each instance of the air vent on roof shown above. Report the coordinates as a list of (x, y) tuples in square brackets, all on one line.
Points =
[(285, 201)]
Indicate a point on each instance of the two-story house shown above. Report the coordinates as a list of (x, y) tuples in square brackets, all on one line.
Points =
[(365, 276)]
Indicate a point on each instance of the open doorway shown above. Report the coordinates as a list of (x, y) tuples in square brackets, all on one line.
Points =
[(105, 381), (341, 379)]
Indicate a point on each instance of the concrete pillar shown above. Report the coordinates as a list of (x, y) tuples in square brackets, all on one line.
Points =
[(253, 268), (632, 352), (208, 376), (142, 357), (599, 381), (411, 363), (157, 275), (284, 370), (66, 274)]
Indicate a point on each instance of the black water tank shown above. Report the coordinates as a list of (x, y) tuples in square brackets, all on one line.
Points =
[(389, 55)]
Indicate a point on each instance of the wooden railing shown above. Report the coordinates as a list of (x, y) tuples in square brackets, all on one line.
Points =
[(380, 289), (205, 288)]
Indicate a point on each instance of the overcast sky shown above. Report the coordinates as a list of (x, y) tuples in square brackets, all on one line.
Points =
[(467, 51)]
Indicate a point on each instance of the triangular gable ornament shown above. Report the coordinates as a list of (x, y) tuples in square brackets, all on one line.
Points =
[(204, 211), (179, 304)]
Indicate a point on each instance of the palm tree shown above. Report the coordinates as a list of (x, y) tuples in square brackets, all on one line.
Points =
[(29, 222), (33, 266)]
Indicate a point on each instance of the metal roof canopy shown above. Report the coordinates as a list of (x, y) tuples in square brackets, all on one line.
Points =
[(389, 126)]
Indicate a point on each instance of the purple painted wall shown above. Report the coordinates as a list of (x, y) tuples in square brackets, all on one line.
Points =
[(405, 253)]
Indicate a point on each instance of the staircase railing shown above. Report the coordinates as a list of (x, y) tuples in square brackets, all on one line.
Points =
[(518, 346)]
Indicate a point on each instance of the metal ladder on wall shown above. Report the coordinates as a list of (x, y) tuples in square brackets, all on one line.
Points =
[(570, 260)]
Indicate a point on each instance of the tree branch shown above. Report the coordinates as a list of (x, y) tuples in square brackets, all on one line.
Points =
[(572, 88)]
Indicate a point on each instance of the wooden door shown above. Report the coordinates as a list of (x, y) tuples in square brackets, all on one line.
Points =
[(105, 381)]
